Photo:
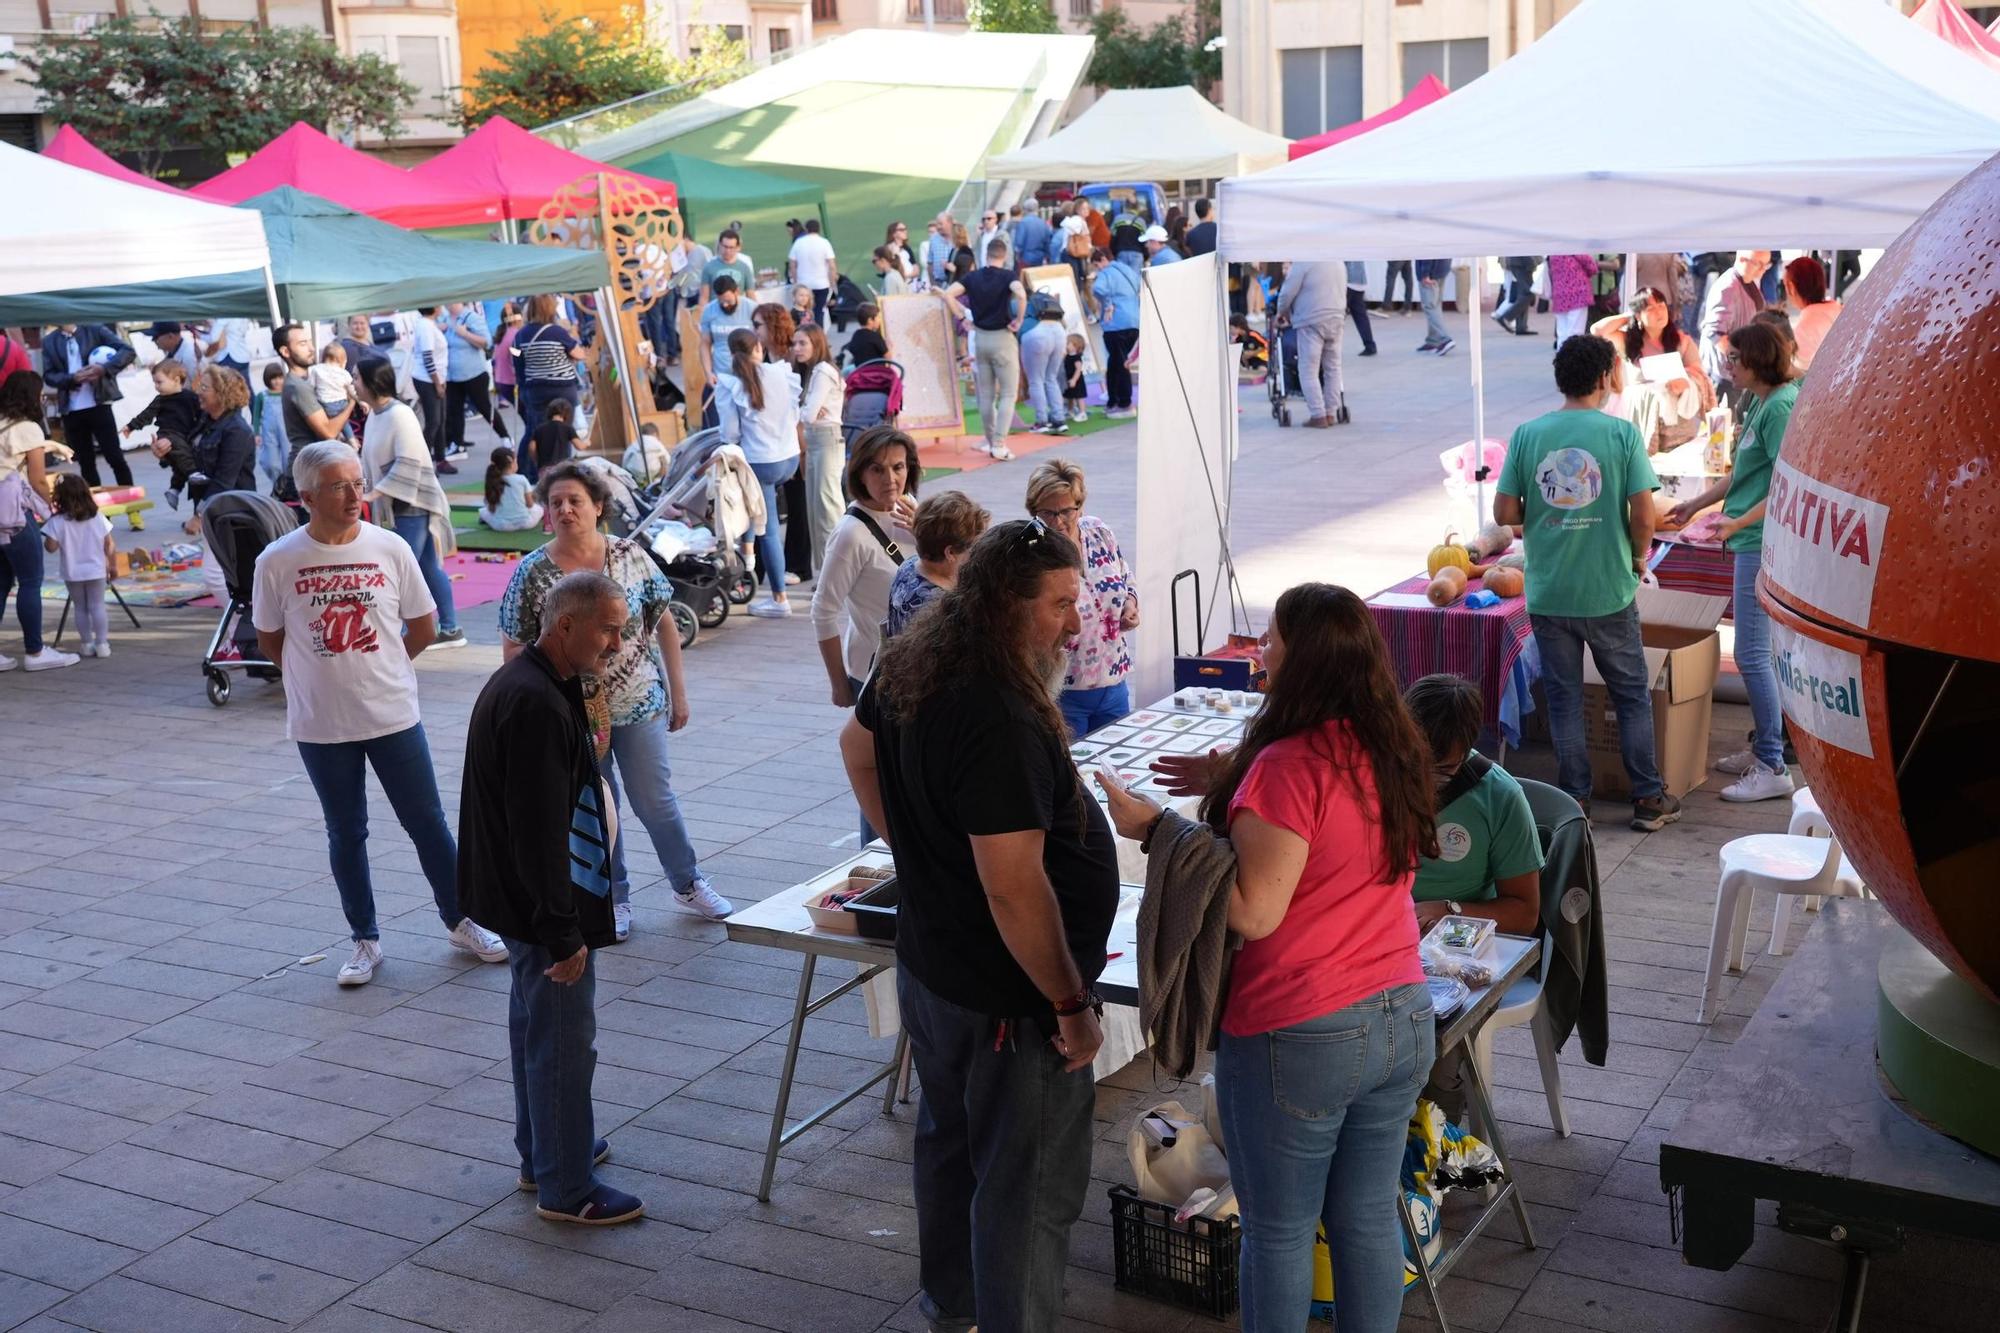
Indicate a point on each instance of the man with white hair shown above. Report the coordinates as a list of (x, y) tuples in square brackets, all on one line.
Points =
[(342, 607), (1734, 299)]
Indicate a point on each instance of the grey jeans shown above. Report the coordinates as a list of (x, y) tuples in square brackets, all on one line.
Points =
[(1319, 363), (826, 459), (87, 596), (996, 371)]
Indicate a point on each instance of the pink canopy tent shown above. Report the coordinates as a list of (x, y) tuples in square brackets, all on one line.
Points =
[(70, 146), (308, 160), (1946, 19), (511, 169), (1421, 96)]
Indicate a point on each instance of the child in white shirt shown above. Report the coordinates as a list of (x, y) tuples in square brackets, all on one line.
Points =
[(331, 383), (82, 537)]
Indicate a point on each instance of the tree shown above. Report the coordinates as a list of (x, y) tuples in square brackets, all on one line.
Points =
[(146, 87), (1011, 16), (1173, 52), (569, 66)]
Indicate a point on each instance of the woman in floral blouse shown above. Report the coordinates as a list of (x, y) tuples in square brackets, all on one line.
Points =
[(639, 697), (1095, 693)]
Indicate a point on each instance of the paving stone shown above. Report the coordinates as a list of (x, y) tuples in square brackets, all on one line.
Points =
[(23, 1161), (811, 1256), (170, 1179), (32, 1055), (318, 1243), (21, 1299), (240, 1280), (568, 1276), (347, 1318), (487, 1041), (138, 1058), (265, 1014), (70, 1127), (296, 1117), (122, 1305), (734, 1126), (238, 1147), (113, 1094), (105, 1214), (458, 1132), (370, 1204), (93, 996), (460, 1305), (416, 1167), (71, 946), (650, 1247), (400, 1059), (358, 1089), (56, 1257), (206, 1036)]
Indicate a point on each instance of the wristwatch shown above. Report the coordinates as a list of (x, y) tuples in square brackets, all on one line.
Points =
[(1077, 1003)]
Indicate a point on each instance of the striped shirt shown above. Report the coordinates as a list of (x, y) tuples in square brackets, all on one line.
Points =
[(542, 354)]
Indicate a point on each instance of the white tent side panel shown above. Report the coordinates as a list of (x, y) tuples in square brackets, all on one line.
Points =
[(1187, 442), (1843, 143), (92, 231)]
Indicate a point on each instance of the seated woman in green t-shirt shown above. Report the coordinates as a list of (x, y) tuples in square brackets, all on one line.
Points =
[(1490, 855)]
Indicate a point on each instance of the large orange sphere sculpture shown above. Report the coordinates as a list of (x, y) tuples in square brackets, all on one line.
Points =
[(1880, 575)]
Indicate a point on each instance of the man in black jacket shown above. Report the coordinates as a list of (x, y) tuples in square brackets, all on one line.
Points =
[(533, 865), (85, 387)]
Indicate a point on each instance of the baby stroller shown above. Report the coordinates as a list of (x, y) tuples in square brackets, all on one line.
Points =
[(1281, 342), (696, 525), (874, 398), (237, 526)]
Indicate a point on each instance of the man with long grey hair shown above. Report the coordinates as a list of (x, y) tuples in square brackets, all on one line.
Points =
[(341, 607)]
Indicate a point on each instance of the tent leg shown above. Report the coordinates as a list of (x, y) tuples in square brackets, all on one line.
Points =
[(271, 296), (1477, 346)]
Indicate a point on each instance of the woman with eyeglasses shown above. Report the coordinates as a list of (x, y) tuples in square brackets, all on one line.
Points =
[(1327, 1029), (1095, 691)]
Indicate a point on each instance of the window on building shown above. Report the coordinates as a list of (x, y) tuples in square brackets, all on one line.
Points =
[(19, 131), (826, 11), (780, 39), (1456, 62), (733, 31), (944, 11), (421, 61), (1983, 15), (1080, 10), (1321, 89)]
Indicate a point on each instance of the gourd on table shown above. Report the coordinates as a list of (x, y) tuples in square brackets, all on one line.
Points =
[(1446, 586)]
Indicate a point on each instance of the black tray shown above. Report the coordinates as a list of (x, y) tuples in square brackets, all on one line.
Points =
[(875, 910)]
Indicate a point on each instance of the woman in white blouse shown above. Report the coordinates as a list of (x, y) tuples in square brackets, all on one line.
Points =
[(820, 445), (757, 407)]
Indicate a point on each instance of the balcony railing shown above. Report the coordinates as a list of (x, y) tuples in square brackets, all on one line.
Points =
[(944, 11)]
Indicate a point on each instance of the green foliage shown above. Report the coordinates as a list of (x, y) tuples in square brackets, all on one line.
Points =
[(145, 87), (565, 67), (1011, 16), (1171, 53)]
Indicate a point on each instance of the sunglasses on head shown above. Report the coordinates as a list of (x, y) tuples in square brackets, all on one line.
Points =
[(1028, 536)]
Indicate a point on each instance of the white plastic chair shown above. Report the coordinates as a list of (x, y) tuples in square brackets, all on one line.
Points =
[(1787, 865), (1808, 821), (1523, 1004)]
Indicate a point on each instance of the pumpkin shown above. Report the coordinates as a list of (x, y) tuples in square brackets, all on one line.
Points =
[(1492, 540), (1505, 581), (1447, 587), (1448, 554)]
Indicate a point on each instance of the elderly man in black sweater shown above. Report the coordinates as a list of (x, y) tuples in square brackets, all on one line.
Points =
[(535, 833)]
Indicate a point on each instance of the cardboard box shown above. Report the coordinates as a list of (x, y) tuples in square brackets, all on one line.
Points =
[(1683, 657)]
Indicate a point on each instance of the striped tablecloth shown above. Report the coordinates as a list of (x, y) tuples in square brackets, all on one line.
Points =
[(1685, 567), (1494, 647)]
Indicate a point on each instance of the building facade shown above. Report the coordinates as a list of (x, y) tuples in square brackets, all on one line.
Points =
[(419, 37)]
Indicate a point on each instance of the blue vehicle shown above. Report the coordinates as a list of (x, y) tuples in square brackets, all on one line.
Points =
[(1116, 198)]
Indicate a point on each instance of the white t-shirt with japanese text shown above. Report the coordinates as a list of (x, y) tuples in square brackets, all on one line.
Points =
[(342, 608)]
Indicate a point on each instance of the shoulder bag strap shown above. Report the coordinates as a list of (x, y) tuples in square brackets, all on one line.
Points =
[(895, 552), (1470, 774)]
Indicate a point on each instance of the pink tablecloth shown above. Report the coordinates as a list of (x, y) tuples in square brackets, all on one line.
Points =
[(1483, 644), (1709, 570)]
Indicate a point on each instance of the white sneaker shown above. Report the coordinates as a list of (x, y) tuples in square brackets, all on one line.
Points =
[(768, 608), (1736, 765), (49, 659), (621, 921), (703, 900), (1759, 784), (1001, 453), (104, 647), (468, 936), (360, 969), (86, 649), (8, 663)]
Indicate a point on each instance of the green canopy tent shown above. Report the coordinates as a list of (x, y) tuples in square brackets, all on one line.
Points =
[(714, 194), (327, 262)]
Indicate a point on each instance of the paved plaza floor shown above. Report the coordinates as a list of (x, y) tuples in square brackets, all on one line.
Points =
[(199, 1133)]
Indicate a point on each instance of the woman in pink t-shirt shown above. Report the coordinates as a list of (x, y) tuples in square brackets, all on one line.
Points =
[(1326, 1029)]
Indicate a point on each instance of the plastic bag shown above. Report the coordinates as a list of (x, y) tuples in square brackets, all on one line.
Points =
[(1173, 1155)]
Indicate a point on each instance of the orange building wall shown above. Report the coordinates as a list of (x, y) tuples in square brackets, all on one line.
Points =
[(486, 26)]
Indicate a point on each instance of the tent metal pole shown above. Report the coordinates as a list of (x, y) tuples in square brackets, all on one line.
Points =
[(1476, 299), (271, 296)]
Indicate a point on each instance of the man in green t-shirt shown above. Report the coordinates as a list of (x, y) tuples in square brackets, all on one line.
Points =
[(1578, 483), (728, 259)]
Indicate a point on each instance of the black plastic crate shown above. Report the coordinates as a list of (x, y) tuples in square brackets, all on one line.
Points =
[(1192, 1264)]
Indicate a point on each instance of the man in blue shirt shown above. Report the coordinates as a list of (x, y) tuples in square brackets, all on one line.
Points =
[(938, 251), (1115, 287), (1031, 236), (1158, 251), (719, 318), (466, 342)]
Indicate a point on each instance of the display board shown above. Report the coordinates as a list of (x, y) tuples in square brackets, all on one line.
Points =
[(694, 368), (1061, 279), (918, 329)]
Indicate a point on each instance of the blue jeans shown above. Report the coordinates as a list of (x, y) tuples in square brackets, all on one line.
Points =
[(1431, 294), (1042, 349), (1621, 661), (1001, 1165), (770, 542), (639, 756), (1754, 664), (536, 395), (414, 527), (402, 764), (1316, 1116), (551, 1038), (21, 571), (1087, 710)]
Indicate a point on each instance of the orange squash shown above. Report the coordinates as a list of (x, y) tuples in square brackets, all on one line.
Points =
[(1505, 581), (1447, 587)]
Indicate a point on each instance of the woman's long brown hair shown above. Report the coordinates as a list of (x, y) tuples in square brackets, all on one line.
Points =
[(744, 365), (1336, 669)]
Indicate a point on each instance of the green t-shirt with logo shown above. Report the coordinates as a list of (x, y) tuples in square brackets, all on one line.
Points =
[(1750, 475), (1484, 836), (1574, 469)]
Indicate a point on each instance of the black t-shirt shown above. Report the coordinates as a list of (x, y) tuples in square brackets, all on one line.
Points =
[(553, 441), (866, 345), (974, 761), (989, 296), (1201, 239)]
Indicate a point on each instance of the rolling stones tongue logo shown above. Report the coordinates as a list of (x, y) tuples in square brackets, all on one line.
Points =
[(343, 628)]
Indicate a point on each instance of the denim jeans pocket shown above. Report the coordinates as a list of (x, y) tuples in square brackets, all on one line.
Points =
[(1317, 1074)]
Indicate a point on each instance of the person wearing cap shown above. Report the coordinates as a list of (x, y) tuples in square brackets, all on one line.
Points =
[(175, 345), (1158, 251)]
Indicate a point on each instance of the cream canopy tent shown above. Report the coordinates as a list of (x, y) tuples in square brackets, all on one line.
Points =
[(1144, 134), (1866, 121), (108, 232)]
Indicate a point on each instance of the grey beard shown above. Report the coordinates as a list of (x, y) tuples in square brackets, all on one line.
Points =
[(1054, 666)]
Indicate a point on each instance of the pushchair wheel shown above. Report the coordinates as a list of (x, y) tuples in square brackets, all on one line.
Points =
[(1284, 414), (742, 588), (715, 612), (1340, 414), (218, 686), (685, 622)]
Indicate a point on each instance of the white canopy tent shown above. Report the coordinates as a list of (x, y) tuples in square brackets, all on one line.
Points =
[(1841, 144), (1144, 134), (100, 232)]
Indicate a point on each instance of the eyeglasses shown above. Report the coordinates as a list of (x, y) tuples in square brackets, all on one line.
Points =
[(353, 488), (1732, 358), (1029, 537), (1051, 517)]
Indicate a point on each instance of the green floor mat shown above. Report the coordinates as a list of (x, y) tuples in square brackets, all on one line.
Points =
[(940, 473), (473, 535), (1097, 422)]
